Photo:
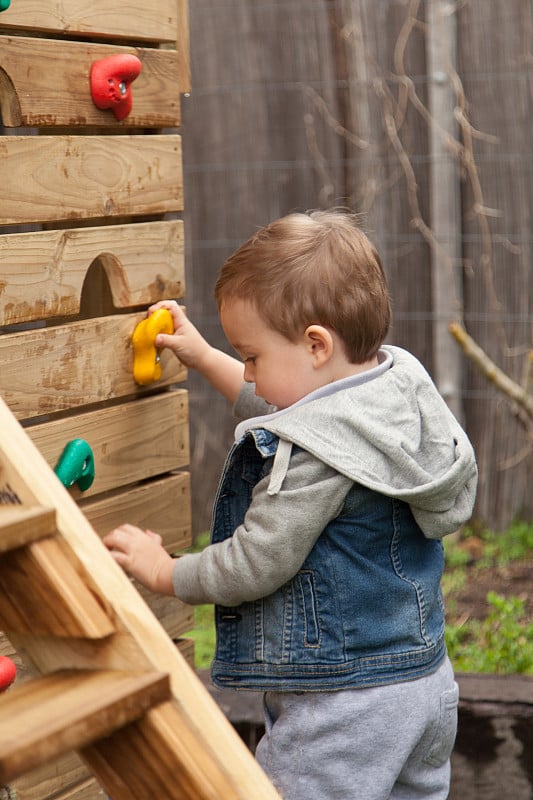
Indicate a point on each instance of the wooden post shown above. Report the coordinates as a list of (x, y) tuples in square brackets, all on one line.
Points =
[(445, 200)]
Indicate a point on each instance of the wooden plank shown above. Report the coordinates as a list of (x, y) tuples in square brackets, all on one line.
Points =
[(45, 82), (183, 46), (130, 442), (74, 365), (175, 616), (123, 19), (163, 505), (43, 273), (61, 601), (65, 778), (186, 648), (162, 759), (140, 640), (48, 178), (22, 524), (48, 716)]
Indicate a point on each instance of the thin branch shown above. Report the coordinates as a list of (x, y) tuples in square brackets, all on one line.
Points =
[(488, 368)]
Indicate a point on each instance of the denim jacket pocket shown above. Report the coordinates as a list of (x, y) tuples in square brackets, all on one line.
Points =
[(309, 608), (441, 746)]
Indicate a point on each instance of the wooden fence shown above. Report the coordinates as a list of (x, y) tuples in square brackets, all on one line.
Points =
[(417, 114)]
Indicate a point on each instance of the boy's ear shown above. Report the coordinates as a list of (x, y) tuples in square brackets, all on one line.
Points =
[(320, 344)]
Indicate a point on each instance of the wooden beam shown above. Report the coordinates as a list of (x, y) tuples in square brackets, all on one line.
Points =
[(67, 710), (48, 178), (43, 273), (130, 442), (212, 746), (163, 505), (61, 601), (161, 757), (45, 82), (445, 200), (20, 525), (183, 46), (74, 365), (123, 19)]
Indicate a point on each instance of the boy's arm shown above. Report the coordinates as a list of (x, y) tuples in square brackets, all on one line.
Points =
[(224, 373), (274, 540)]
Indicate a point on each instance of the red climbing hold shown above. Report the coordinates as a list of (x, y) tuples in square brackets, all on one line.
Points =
[(8, 672), (111, 80)]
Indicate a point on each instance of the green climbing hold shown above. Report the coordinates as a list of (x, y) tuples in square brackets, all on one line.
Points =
[(76, 465)]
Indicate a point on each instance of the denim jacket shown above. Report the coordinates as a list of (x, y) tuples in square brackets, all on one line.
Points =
[(326, 557), (364, 609)]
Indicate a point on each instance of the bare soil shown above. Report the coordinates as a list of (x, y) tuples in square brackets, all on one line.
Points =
[(513, 579)]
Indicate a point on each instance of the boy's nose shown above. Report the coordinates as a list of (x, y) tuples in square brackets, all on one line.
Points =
[(248, 373)]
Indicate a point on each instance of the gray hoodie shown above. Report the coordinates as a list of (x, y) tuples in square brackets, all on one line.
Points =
[(387, 429)]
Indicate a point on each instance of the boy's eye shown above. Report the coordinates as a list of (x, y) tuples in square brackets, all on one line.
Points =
[(249, 360)]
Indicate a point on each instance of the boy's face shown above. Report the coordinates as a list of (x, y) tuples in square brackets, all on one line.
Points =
[(282, 370)]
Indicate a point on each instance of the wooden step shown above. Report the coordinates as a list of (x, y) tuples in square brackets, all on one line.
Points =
[(21, 525), (45, 591), (68, 710)]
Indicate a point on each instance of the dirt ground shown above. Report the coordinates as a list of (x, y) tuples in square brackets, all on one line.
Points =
[(514, 579)]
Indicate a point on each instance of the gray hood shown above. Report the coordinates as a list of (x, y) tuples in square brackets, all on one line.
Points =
[(392, 432)]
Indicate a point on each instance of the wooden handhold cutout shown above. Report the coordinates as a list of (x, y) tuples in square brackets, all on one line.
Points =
[(111, 80)]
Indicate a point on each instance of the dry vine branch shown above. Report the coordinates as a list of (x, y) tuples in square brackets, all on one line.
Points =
[(518, 394)]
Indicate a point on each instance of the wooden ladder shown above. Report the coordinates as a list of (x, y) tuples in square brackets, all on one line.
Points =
[(110, 684)]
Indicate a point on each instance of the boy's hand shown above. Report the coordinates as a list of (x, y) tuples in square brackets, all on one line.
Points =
[(187, 343), (222, 371), (142, 555)]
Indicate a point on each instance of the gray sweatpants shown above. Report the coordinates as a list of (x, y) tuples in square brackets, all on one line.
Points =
[(363, 744)]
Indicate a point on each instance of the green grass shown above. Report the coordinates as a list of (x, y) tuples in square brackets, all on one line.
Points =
[(203, 632), (204, 636), (500, 643)]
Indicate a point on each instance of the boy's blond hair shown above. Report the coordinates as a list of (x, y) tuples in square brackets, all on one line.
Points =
[(316, 268)]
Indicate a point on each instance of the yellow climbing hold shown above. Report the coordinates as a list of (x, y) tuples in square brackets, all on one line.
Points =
[(146, 364)]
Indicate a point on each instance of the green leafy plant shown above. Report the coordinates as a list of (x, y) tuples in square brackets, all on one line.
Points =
[(502, 640), (501, 643)]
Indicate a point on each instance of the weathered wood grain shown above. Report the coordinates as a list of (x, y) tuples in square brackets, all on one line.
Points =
[(121, 19), (130, 442), (75, 364), (178, 770), (48, 178), (198, 753), (42, 274), (35, 727), (177, 618), (45, 82), (60, 602), (65, 778), (163, 505), (20, 525), (183, 46)]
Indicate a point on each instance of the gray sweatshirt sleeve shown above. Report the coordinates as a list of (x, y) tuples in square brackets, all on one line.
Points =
[(278, 532)]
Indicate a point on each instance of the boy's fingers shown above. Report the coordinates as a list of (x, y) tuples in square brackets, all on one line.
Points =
[(163, 340)]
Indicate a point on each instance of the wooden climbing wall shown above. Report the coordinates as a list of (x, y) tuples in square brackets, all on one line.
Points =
[(90, 235)]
